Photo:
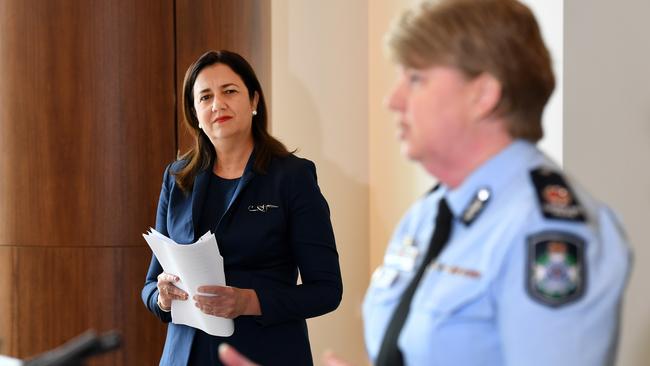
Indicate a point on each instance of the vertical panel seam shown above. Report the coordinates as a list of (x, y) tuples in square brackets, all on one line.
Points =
[(176, 120), (14, 299)]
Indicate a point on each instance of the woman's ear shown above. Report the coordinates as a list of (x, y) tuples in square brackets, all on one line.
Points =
[(256, 98), (486, 96)]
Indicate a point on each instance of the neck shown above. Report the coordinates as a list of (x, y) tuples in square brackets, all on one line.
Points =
[(454, 169), (232, 158)]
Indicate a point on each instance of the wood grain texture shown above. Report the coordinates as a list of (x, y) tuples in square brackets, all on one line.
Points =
[(87, 124), (58, 293), (242, 26), (87, 119)]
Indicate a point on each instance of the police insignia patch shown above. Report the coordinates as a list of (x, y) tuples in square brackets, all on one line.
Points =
[(556, 272), (555, 196)]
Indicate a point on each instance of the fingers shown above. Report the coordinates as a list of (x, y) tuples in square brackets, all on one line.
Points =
[(221, 301), (174, 293), (216, 290), (230, 357), (221, 310), (216, 296), (166, 277), (166, 289)]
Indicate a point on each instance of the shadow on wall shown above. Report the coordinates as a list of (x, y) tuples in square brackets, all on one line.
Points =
[(301, 127)]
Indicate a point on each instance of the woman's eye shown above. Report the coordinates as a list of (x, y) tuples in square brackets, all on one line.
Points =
[(230, 91), (204, 98)]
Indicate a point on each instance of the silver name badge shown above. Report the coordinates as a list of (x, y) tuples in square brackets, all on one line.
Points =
[(261, 208), (404, 257)]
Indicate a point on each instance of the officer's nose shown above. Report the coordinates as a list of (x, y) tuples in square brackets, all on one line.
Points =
[(396, 98)]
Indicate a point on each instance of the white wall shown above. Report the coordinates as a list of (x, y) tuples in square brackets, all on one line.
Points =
[(607, 134), (319, 105), (550, 16)]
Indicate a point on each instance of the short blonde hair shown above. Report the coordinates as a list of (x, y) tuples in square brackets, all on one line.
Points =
[(499, 37)]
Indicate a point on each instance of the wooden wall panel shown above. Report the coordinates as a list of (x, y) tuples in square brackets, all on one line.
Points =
[(58, 293), (88, 114), (242, 26), (8, 300), (87, 119), (87, 125)]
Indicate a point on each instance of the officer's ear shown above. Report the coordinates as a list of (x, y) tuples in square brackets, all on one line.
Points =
[(486, 94)]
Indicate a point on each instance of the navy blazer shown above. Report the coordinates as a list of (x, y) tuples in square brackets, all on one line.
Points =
[(276, 224)]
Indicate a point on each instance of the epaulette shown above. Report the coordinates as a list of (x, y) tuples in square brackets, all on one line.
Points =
[(556, 199)]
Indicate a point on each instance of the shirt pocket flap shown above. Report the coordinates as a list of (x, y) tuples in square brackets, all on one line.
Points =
[(446, 293)]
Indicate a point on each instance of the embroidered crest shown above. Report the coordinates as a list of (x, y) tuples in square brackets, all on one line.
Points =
[(555, 196), (556, 268)]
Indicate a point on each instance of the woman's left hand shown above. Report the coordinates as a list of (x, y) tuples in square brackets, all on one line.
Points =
[(227, 302)]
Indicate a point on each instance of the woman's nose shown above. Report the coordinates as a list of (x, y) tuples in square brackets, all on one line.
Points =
[(217, 105)]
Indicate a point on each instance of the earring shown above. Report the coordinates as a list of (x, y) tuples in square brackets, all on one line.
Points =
[(254, 113)]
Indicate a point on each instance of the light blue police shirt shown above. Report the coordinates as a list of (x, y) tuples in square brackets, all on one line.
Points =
[(521, 281)]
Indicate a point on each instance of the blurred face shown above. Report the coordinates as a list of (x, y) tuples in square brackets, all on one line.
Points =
[(433, 114), (222, 104)]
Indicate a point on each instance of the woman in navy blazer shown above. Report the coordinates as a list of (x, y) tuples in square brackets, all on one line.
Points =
[(268, 215)]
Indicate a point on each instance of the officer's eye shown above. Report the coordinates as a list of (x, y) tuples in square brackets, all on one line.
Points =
[(414, 77), (205, 97), (230, 91)]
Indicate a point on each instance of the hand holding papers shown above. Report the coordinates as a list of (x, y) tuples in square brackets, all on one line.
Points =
[(196, 265)]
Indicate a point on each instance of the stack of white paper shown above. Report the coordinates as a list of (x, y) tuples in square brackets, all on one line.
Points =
[(8, 361), (196, 265)]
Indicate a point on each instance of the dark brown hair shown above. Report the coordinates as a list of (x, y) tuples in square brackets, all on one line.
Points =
[(202, 155), (499, 37)]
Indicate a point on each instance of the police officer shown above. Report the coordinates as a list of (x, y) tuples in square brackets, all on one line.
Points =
[(508, 261)]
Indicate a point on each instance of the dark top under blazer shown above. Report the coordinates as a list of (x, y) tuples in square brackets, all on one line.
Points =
[(263, 249)]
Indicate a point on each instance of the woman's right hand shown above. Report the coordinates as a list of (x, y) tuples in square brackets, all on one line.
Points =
[(167, 291)]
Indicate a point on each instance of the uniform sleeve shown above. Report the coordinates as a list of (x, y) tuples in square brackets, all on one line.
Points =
[(559, 292), (149, 292), (312, 242)]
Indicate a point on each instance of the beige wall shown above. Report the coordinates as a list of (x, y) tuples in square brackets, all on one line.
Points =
[(607, 134), (319, 105), (395, 183)]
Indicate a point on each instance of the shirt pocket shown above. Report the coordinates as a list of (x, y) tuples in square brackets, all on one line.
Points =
[(446, 296)]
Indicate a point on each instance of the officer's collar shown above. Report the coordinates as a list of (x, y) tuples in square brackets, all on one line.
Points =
[(467, 200)]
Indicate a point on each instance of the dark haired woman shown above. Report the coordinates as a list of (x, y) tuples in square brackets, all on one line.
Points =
[(268, 215)]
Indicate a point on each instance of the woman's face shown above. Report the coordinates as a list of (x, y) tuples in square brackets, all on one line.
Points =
[(222, 104), (433, 117)]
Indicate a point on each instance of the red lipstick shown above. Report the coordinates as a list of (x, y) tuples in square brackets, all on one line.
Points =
[(223, 119)]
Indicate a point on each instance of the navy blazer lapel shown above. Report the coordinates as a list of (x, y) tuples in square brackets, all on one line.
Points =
[(199, 189), (246, 177)]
